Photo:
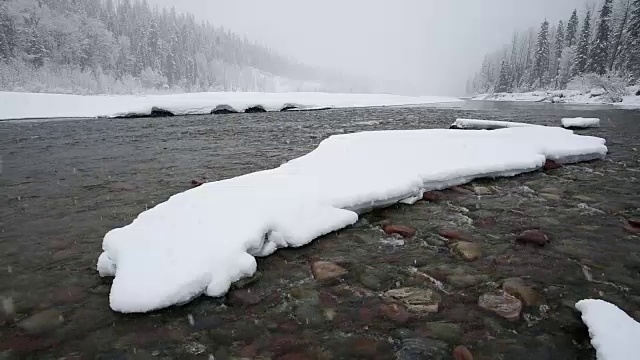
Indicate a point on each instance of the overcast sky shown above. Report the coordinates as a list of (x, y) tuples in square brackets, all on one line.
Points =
[(435, 44)]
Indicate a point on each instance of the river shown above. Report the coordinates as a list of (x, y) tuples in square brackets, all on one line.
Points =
[(66, 182)]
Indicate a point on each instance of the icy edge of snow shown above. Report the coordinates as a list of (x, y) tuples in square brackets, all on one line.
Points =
[(485, 124), (204, 239), (580, 122), (614, 334)]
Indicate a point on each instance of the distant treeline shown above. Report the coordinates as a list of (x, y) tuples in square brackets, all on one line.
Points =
[(125, 46), (604, 42)]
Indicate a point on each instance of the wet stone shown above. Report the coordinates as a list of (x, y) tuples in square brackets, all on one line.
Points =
[(422, 348), (634, 222), (501, 303), (244, 297), (402, 230), (42, 322), (309, 314), (462, 281), (481, 190), (416, 300), (363, 347), (326, 270), (462, 353), (395, 312), (452, 234), (449, 332), (551, 165), (467, 250), (517, 288), (535, 237), (434, 196)]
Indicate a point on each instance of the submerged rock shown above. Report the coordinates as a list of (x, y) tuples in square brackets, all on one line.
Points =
[(326, 270), (462, 353), (517, 288), (551, 165), (468, 251), (502, 304), (535, 237), (42, 322), (416, 300), (416, 348), (481, 190), (444, 331), (395, 312), (402, 230), (466, 280), (452, 234)]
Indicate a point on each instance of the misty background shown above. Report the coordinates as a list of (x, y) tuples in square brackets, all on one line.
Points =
[(431, 46), (417, 47)]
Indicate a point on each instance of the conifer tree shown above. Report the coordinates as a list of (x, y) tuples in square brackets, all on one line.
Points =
[(581, 58), (541, 56), (632, 60), (572, 29), (599, 54), (504, 80)]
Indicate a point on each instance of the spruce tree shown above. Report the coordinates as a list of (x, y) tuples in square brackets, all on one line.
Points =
[(504, 79), (582, 52), (541, 56), (599, 54), (572, 29), (632, 61)]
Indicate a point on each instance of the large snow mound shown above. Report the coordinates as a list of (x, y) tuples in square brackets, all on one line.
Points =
[(15, 105), (485, 124), (204, 239), (580, 122), (614, 334)]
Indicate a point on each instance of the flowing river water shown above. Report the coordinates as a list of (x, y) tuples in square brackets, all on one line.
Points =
[(66, 182)]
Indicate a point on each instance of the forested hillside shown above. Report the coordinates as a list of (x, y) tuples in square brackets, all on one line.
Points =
[(125, 46), (603, 43)]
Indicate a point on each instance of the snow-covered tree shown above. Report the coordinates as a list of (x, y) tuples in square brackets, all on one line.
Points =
[(632, 44), (620, 23), (564, 67), (504, 80), (541, 57), (582, 51), (599, 53), (558, 46), (572, 29)]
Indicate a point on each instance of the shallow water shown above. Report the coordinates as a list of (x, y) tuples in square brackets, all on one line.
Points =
[(66, 183)]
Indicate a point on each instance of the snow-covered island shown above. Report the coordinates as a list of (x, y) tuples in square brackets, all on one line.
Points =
[(592, 96)]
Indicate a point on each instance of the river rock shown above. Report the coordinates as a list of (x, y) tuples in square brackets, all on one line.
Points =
[(416, 300), (422, 348), (517, 288), (42, 322), (635, 222), (462, 353), (326, 270), (485, 223), (433, 196), (395, 312), (244, 297), (468, 251), (402, 230), (464, 280), (535, 237), (444, 331), (551, 165), (481, 190), (452, 234), (501, 303)]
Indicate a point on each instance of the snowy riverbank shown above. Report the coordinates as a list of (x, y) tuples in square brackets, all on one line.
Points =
[(564, 96), (15, 105)]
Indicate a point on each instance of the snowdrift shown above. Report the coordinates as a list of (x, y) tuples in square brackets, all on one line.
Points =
[(580, 122), (204, 239), (33, 106), (614, 334)]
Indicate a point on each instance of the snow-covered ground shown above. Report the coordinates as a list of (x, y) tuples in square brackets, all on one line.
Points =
[(485, 124), (15, 105), (202, 240), (614, 334), (561, 96), (580, 122)]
